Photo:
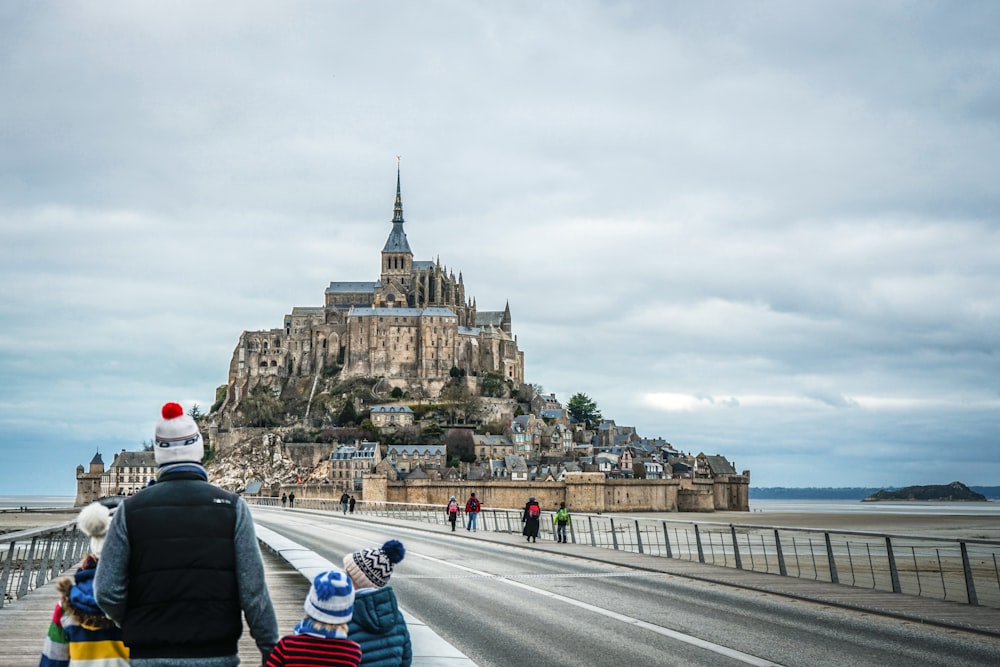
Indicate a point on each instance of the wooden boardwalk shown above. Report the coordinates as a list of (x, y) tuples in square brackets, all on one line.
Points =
[(23, 624)]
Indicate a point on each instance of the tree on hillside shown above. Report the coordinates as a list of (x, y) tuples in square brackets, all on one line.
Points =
[(493, 385), (458, 445), (582, 408), (348, 415), (195, 412), (260, 408), (460, 402)]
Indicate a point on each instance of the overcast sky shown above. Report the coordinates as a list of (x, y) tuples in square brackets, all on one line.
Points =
[(765, 230)]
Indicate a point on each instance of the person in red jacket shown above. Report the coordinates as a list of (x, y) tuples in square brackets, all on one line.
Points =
[(472, 508)]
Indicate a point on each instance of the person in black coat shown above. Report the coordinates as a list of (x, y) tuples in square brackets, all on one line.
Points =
[(531, 518)]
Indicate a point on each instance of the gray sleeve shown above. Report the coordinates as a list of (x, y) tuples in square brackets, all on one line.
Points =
[(111, 579), (254, 596)]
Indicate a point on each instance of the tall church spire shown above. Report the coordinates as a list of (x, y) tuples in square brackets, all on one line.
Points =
[(397, 211), (397, 243)]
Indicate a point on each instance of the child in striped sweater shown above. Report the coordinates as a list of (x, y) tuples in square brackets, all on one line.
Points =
[(80, 633), (320, 639)]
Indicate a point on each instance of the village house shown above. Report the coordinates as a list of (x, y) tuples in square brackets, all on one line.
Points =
[(129, 473), (391, 416), (406, 458), (349, 462), (488, 447)]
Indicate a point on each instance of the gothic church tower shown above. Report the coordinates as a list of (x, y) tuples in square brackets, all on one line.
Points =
[(397, 260)]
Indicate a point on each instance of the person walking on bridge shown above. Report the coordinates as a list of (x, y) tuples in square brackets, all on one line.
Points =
[(561, 519), (451, 510), (472, 507), (531, 518), (344, 501), (181, 564)]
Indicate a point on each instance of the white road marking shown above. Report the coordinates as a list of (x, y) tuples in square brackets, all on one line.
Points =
[(666, 632)]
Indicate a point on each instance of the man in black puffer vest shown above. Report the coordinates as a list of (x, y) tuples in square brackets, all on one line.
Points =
[(181, 562)]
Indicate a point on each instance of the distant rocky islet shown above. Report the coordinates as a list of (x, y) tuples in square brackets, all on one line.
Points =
[(954, 492)]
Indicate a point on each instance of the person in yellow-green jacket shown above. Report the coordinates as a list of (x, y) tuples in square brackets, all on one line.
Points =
[(561, 520)]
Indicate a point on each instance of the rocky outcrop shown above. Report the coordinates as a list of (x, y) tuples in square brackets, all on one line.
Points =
[(956, 491), (260, 458)]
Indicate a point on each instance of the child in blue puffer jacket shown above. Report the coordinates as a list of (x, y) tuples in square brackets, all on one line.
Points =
[(378, 624)]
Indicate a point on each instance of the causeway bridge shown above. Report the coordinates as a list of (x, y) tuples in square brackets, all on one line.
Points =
[(491, 598)]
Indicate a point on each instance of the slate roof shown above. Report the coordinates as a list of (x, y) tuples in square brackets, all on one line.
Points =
[(141, 459), (427, 450), (392, 409), (397, 239), (489, 318), (352, 287), (719, 465), (358, 311)]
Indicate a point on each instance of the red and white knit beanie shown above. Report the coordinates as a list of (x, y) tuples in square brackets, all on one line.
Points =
[(177, 437)]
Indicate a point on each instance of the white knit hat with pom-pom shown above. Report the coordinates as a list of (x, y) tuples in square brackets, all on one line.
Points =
[(178, 439), (93, 521)]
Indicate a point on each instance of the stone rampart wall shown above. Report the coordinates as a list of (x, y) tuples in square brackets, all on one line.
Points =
[(583, 492)]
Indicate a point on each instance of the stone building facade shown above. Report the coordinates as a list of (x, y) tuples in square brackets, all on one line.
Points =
[(411, 327)]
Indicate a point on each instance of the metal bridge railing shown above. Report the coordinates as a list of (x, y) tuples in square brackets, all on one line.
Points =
[(961, 570), (30, 558)]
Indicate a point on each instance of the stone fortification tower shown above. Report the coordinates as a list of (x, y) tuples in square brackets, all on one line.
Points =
[(88, 483)]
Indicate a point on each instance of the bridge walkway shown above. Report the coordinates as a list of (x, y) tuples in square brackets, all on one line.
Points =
[(943, 613)]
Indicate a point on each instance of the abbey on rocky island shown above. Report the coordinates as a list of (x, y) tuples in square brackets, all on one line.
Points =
[(411, 327)]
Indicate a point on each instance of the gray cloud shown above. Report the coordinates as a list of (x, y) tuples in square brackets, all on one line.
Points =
[(763, 231)]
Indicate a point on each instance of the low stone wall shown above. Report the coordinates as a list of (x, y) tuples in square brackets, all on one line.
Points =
[(584, 492)]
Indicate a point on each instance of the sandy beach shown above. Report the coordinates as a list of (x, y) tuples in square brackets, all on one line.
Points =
[(11, 521)]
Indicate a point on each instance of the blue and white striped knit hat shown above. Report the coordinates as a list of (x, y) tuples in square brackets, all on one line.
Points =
[(331, 598)]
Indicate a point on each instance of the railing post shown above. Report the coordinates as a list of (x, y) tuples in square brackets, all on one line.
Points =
[(697, 540), (893, 571), (614, 535), (970, 584), (29, 565), (638, 536), (782, 570), (590, 523), (5, 577), (666, 540), (736, 547), (834, 578)]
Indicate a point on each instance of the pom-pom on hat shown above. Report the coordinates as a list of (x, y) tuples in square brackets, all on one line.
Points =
[(93, 521), (371, 568), (177, 437), (331, 598)]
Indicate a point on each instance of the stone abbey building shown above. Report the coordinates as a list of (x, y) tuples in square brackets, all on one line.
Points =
[(410, 327)]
